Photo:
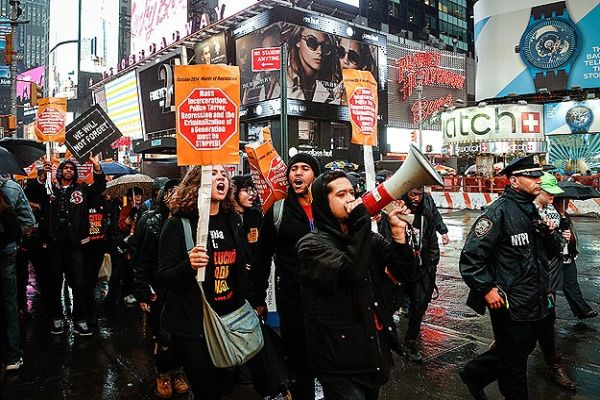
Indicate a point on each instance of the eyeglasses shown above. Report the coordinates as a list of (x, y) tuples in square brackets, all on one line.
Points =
[(313, 44), (353, 56), (249, 190)]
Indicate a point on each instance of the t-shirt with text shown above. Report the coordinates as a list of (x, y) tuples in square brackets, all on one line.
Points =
[(221, 286)]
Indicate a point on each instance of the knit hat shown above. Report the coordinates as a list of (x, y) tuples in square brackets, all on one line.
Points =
[(312, 162)]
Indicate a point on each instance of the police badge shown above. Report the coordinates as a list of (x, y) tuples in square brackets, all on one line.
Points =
[(483, 226)]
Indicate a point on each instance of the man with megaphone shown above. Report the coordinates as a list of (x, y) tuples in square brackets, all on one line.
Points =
[(344, 269)]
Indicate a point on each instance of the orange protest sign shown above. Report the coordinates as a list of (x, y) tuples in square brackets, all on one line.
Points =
[(361, 90), (268, 172), (51, 119), (207, 99)]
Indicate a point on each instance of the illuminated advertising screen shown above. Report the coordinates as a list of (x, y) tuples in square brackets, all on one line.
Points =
[(444, 82), (572, 117), (123, 106), (23, 86), (211, 51), (524, 46), (153, 20), (156, 96), (502, 122), (315, 60)]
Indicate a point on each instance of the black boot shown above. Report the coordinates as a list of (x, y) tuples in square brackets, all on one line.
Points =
[(557, 373), (476, 391), (411, 351)]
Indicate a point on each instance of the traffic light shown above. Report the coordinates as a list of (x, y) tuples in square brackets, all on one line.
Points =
[(9, 122), (8, 49), (12, 122), (36, 93)]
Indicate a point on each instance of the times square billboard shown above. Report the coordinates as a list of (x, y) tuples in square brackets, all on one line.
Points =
[(313, 49), (523, 46)]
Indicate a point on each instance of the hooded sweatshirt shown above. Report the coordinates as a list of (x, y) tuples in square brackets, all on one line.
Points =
[(349, 325)]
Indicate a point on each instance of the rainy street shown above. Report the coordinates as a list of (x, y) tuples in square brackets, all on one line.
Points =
[(115, 362)]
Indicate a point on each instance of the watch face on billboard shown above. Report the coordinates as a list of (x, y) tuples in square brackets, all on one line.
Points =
[(528, 46), (314, 59), (572, 117)]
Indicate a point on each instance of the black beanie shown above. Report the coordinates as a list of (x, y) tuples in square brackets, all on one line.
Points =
[(312, 162)]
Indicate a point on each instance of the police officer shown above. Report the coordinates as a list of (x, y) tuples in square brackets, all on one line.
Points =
[(505, 264)]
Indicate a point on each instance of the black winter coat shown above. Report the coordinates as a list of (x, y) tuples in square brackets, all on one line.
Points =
[(342, 278), (282, 245), (182, 314), (76, 198), (506, 249)]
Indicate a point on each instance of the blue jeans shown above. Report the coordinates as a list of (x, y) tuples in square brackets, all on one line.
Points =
[(11, 333)]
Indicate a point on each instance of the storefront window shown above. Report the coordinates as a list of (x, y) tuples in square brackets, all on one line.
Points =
[(340, 135), (308, 136)]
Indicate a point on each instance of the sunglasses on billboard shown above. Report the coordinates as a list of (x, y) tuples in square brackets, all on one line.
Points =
[(353, 56), (313, 44)]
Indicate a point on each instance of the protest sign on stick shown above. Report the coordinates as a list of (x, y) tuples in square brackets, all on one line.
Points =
[(207, 99)]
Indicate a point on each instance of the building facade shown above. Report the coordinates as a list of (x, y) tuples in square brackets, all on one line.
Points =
[(445, 24)]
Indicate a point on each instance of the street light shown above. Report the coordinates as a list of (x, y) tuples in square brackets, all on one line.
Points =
[(419, 89)]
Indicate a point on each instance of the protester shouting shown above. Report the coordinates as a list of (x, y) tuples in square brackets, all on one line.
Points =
[(343, 269), (225, 263), (283, 225)]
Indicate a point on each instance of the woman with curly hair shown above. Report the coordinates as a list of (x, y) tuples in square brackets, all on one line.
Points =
[(225, 261)]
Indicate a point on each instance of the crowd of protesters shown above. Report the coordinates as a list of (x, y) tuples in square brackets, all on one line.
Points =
[(338, 285)]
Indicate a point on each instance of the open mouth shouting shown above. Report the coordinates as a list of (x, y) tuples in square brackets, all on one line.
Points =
[(221, 189)]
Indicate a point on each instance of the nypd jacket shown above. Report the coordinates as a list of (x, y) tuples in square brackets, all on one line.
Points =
[(506, 248)]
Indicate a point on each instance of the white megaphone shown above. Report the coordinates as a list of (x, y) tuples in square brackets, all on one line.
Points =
[(415, 172)]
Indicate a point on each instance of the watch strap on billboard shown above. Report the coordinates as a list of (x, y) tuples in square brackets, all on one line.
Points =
[(551, 80), (548, 9)]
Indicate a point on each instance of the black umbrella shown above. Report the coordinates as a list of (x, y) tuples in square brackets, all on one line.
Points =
[(26, 152), (577, 191), (9, 164), (116, 169)]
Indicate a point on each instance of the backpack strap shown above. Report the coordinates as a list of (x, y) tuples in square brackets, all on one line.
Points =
[(277, 214), (187, 231)]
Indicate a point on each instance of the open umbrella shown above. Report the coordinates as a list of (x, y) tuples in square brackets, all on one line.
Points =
[(9, 163), (25, 151), (119, 187), (116, 169), (339, 164), (577, 191)]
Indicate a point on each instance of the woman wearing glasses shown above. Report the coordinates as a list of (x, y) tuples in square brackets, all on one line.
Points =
[(310, 64), (247, 205), (355, 55)]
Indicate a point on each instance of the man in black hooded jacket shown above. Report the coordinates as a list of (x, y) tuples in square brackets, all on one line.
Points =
[(65, 231), (344, 271), (279, 240)]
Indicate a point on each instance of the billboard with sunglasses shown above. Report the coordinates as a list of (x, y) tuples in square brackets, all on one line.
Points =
[(315, 60)]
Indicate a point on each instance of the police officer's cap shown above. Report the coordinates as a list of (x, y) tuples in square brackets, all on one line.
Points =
[(524, 166)]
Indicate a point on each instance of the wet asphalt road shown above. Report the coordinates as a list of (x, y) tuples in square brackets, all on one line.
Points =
[(115, 362)]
